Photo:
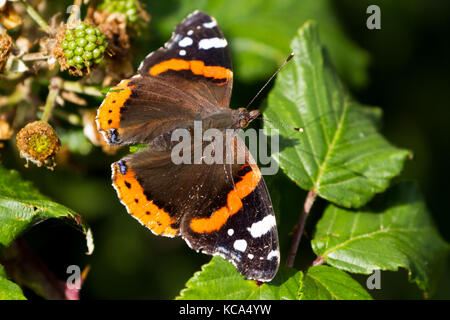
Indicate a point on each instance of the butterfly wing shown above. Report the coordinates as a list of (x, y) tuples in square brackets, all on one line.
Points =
[(240, 224), (197, 51), (171, 90), (222, 209)]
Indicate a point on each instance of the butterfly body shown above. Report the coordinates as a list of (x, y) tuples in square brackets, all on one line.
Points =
[(221, 208)]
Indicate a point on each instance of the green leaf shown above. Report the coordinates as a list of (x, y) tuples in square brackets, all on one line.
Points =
[(219, 280), (328, 283), (22, 206), (8, 289), (138, 147), (340, 155), (394, 232), (259, 33)]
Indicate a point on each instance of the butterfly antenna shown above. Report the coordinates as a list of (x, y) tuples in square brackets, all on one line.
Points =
[(270, 79), (281, 124), (264, 86)]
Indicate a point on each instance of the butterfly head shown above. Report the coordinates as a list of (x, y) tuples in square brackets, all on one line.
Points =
[(245, 116)]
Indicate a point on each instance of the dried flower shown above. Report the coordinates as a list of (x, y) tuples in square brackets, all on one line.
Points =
[(38, 142), (5, 49), (9, 16)]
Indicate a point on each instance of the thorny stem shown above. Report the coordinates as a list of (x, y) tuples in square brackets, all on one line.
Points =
[(36, 16), (54, 87), (300, 227)]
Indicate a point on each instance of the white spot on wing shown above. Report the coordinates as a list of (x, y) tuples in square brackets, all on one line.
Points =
[(272, 254), (230, 232), (210, 25), (185, 42), (182, 52), (262, 227), (206, 44), (250, 256), (190, 32), (240, 245)]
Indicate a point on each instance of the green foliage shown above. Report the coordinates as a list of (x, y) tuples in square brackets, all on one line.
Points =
[(219, 280), (22, 206), (340, 155), (327, 283), (395, 232), (138, 147), (8, 289), (260, 32)]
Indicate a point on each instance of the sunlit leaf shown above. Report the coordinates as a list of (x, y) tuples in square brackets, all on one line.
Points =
[(8, 289), (328, 283), (340, 155), (395, 232), (22, 206)]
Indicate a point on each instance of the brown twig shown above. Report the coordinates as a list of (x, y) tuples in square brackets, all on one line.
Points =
[(300, 227)]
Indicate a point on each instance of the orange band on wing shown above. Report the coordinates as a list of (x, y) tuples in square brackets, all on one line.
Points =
[(197, 67), (132, 196), (108, 116), (234, 203)]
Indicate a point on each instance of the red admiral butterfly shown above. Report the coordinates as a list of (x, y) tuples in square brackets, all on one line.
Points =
[(217, 208)]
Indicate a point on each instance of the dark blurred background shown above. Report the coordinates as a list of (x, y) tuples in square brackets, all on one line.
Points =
[(402, 68)]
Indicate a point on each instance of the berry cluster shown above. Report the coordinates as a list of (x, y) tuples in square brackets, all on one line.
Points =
[(127, 7), (83, 46)]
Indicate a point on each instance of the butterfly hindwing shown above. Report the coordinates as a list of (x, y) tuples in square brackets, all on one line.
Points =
[(222, 209)]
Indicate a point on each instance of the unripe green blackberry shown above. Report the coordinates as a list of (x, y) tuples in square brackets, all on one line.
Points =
[(83, 46), (129, 8)]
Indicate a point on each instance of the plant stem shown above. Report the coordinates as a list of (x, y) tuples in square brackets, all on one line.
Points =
[(318, 261), (55, 85), (79, 88), (300, 227), (36, 16)]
